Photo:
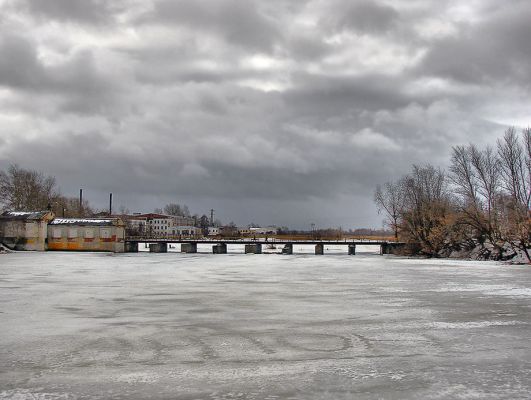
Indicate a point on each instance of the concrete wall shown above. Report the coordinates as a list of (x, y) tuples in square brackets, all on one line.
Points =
[(253, 248), (220, 248), (24, 235), (188, 247), (86, 238), (158, 247)]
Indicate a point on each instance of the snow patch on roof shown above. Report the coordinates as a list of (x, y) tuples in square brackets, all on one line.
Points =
[(25, 214), (82, 221)]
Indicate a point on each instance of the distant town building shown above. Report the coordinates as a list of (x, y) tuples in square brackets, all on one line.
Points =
[(160, 225), (25, 230), (244, 231), (157, 224), (213, 231), (184, 230), (179, 220), (135, 224), (87, 234), (228, 231), (269, 230)]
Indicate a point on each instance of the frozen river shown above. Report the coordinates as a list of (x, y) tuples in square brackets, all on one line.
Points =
[(202, 326)]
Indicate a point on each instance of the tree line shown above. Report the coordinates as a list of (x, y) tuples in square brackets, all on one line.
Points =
[(29, 190), (483, 201)]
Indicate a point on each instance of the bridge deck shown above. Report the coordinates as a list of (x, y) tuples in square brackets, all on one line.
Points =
[(258, 241)]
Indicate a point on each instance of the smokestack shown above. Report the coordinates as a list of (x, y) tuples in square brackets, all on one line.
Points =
[(80, 202), (110, 203)]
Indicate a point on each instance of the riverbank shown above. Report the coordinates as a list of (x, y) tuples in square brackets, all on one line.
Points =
[(472, 251)]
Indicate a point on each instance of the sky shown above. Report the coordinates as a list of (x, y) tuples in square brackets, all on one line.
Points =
[(285, 112)]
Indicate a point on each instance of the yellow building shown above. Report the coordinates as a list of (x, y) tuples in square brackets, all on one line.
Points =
[(87, 234), (21, 230)]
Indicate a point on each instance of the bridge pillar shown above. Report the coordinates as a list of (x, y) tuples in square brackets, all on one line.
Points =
[(131, 247), (319, 249), (220, 248), (188, 247), (158, 247), (255, 248), (351, 249), (288, 248)]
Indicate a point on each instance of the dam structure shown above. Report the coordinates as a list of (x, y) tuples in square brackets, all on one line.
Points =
[(254, 246)]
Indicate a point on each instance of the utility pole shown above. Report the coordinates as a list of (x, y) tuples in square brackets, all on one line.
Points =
[(110, 204), (80, 202), (211, 217)]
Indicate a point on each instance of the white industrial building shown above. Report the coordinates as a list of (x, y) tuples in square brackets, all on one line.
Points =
[(268, 230), (213, 231), (160, 225)]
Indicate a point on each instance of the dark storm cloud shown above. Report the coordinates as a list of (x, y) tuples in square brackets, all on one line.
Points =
[(79, 11), (361, 16), (19, 67), (238, 22), (307, 47), (292, 106), (318, 94), (77, 80), (495, 49)]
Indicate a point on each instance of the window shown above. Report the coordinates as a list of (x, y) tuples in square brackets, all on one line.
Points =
[(105, 233), (57, 233), (89, 233), (72, 233)]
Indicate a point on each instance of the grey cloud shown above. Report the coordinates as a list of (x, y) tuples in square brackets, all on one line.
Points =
[(496, 48), (83, 87), (80, 11), (19, 66), (307, 47), (361, 16), (239, 23), (318, 94), (167, 104)]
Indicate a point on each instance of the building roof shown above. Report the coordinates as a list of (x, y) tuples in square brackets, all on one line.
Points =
[(150, 216), (85, 221), (26, 215)]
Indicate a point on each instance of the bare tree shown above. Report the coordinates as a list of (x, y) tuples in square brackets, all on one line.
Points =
[(487, 171), (69, 207), (475, 176), (515, 161), (390, 199), (489, 200), (177, 210), (26, 190), (514, 166), (427, 215)]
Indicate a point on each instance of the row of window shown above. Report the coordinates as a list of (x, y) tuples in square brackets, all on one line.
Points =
[(87, 233), (182, 232), (159, 223)]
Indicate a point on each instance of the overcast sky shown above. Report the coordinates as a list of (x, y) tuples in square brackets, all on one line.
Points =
[(284, 112)]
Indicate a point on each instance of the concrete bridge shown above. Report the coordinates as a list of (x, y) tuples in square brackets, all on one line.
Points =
[(254, 246)]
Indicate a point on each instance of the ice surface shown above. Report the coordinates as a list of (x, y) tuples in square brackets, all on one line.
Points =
[(270, 326)]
